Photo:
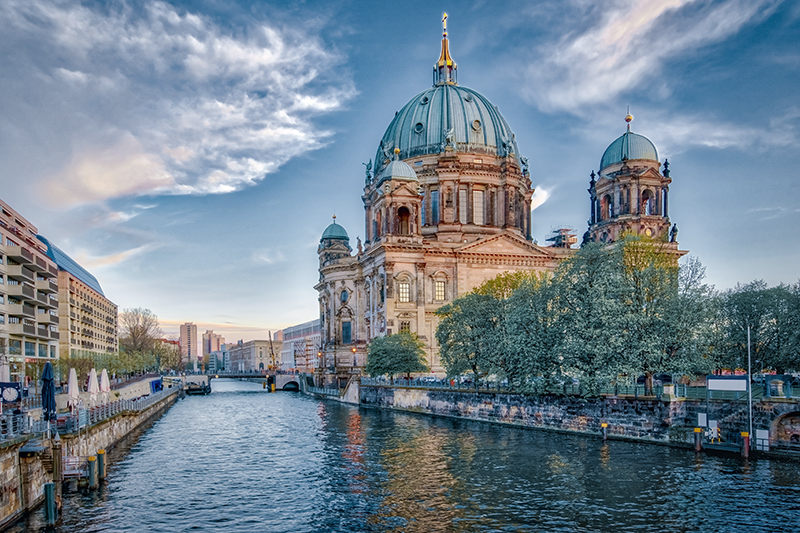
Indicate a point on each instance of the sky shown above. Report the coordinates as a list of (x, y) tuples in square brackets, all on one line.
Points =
[(191, 153)]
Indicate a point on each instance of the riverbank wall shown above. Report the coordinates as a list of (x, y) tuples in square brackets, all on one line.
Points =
[(30, 461), (665, 420)]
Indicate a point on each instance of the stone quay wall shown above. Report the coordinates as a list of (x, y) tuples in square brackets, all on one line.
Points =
[(666, 420), (24, 475)]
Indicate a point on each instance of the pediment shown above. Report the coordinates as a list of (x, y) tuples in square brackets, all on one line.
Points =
[(406, 191), (504, 244)]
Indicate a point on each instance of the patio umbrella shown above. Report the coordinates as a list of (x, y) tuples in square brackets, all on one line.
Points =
[(94, 387), (105, 385), (74, 392), (48, 393)]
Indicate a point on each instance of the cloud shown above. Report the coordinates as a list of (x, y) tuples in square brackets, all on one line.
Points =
[(540, 196), (268, 256), (150, 100), (628, 45), (92, 262)]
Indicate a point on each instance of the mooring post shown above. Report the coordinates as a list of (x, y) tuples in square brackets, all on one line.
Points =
[(745, 444), (698, 432), (604, 425), (92, 472), (273, 387), (101, 464), (50, 509)]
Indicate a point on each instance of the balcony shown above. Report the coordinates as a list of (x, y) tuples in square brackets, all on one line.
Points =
[(43, 333), (45, 301), (47, 319), (21, 310), (19, 254), (22, 329), (21, 273), (38, 264), (47, 285), (54, 335), (25, 292)]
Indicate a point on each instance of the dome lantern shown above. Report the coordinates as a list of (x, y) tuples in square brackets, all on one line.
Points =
[(445, 71)]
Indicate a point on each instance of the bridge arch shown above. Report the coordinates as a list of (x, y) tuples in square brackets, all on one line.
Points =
[(786, 429), (291, 386)]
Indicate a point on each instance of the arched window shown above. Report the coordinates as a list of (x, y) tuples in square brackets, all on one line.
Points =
[(648, 204), (378, 225), (403, 217), (605, 208)]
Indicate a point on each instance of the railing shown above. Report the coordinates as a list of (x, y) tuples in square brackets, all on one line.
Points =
[(323, 391), (12, 426)]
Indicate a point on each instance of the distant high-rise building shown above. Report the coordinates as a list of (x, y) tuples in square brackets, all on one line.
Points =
[(212, 342), (189, 351)]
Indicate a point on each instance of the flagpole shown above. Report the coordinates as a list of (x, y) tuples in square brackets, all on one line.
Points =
[(749, 385)]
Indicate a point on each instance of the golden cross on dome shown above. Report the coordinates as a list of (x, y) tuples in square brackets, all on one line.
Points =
[(444, 25)]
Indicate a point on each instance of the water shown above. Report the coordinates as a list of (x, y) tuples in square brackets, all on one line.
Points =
[(243, 460)]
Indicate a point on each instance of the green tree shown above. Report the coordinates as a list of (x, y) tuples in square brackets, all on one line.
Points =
[(401, 353), (470, 335), (533, 333)]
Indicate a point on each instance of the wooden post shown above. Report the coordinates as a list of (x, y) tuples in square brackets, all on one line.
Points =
[(101, 464), (92, 472), (50, 509), (746, 444), (698, 432)]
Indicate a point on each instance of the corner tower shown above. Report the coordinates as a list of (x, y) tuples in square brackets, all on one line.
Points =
[(630, 194)]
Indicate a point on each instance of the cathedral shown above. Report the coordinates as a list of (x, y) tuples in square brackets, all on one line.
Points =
[(448, 206)]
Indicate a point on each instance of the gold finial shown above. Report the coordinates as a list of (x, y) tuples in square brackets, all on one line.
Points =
[(334, 217), (445, 69), (629, 118), (397, 150)]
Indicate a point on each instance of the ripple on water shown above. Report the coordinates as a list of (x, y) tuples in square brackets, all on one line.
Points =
[(242, 460)]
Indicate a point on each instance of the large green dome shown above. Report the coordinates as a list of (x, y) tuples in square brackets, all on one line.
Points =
[(629, 146), (421, 127)]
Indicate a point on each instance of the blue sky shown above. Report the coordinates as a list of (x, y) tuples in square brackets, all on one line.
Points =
[(190, 154)]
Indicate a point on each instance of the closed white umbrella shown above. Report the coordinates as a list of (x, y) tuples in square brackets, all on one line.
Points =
[(73, 393), (94, 386), (105, 385)]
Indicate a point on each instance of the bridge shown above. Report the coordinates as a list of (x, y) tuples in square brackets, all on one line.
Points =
[(285, 382)]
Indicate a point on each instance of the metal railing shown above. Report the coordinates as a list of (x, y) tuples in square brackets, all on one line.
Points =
[(323, 391), (12, 426)]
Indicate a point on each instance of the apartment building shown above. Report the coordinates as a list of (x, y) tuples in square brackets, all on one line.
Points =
[(189, 352), (301, 346), (253, 356), (29, 320), (212, 342), (87, 319)]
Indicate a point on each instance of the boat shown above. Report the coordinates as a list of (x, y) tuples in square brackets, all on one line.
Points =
[(198, 388)]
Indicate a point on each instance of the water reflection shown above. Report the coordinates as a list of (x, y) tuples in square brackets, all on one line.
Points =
[(244, 460)]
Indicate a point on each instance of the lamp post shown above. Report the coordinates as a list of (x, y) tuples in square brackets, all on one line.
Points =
[(749, 386)]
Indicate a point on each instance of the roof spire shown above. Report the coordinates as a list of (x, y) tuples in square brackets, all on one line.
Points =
[(629, 118), (445, 70)]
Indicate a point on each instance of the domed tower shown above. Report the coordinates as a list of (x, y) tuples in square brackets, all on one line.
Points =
[(472, 181), (630, 194), (334, 244)]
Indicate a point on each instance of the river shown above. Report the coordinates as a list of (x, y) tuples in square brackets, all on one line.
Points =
[(244, 460)]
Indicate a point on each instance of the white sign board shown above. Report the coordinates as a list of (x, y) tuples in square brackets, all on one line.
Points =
[(702, 420), (732, 384)]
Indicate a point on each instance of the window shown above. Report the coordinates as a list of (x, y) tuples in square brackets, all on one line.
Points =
[(424, 212), (2, 319), (405, 326), (344, 296), (347, 335), (403, 217), (42, 350), (14, 347), (439, 291), (477, 207), (30, 349), (434, 207), (462, 205), (53, 352), (404, 291)]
